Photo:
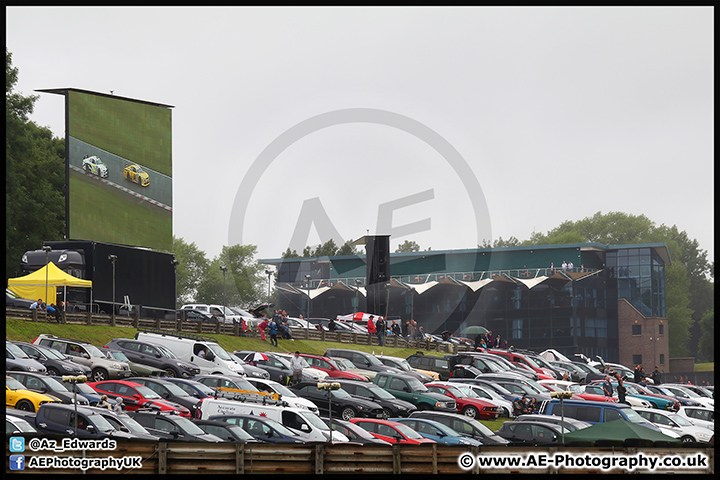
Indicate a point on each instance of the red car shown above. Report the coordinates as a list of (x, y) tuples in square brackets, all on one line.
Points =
[(333, 369), (137, 396), (472, 407), (518, 358), (592, 394), (391, 432)]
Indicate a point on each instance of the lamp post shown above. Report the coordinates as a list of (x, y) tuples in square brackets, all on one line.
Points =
[(112, 259), (175, 263), (46, 249), (269, 274), (308, 278), (224, 269), (387, 300)]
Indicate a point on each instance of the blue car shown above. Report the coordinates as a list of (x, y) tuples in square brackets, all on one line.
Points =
[(437, 431), (85, 391), (192, 387)]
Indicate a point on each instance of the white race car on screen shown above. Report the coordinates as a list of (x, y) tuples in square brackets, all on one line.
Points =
[(94, 165)]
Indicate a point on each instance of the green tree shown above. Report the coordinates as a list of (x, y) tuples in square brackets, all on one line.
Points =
[(407, 246), (192, 267), (244, 280), (706, 346), (34, 177)]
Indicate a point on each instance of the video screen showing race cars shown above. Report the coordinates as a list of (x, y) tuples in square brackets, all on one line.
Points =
[(119, 170)]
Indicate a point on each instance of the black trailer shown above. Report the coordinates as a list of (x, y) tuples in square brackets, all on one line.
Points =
[(146, 277)]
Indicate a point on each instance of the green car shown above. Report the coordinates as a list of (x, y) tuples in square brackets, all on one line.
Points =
[(410, 389)]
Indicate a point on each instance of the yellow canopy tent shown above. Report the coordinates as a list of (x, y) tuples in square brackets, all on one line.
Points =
[(32, 286)]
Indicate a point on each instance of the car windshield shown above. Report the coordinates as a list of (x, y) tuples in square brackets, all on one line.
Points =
[(50, 353), (285, 362), (237, 359), (188, 426), (416, 385), (338, 393), (314, 420), (238, 431), (165, 352), (128, 422), (118, 356), (374, 361), (585, 368), (633, 416), (240, 311), (146, 392), (13, 384), (282, 390), (455, 391), (21, 425), (100, 422), (53, 384), (93, 350), (379, 392), (467, 391), (680, 420), (204, 389), (220, 352), (15, 350), (408, 432), (81, 388), (175, 390), (401, 364)]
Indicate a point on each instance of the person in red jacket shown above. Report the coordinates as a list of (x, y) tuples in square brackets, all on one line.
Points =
[(371, 325)]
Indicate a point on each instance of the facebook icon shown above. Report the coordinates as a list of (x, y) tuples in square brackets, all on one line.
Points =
[(17, 462)]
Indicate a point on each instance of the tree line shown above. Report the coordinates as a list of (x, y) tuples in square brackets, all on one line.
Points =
[(35, 212)]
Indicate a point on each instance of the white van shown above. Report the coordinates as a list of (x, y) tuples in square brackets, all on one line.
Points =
[(298, 420), (187, 347)]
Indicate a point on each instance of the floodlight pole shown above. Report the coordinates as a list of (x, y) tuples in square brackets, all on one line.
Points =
[(175, 264), (46, 249), (269, 274), (358, 282), (308, 278), (224, 269), (113, 258)]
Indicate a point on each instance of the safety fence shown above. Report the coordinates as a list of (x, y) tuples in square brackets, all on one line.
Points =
[(192, 458)]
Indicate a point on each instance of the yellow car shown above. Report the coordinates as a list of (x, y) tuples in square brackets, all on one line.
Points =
[(136, 174), (16, 396)]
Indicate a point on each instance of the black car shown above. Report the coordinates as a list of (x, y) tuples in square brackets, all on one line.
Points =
[(193, 387), (277, 367), (55, 362), (365, 360), (169, 391), (60, 418), (391, 405), (154, 355), (227, 431), (12, 300), (225, 381), (343, 404), (530, 433), (181, 428), (44, 384), (17, 360), (125, 423)]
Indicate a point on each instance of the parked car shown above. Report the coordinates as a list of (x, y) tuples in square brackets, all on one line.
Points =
[(340, 402), (287, 395), (93, 164), (67, 419), (13, 301), (155, 355), (83, 390), (17, 360), (47, 385), (137, 369), (181, 428), (391, 405), (192, 315), (505, 407), (15, 424), (403, 365), (264, 429), (391, 432), (193, 387), (354, 433), (593, 412), (169, 391), (19, 397), (350, 367), (412, 390), (278, 366), (329, 366), (136, 174), (228, 432), (137, 396), (660, 390), (364, 360), (126, 423), (684, 428), (436, 431), (570, 424), (250, 370), (700, 416), (464, 425), (429, 362), (54, 361), (530, 432), (687, 393), (234, 382), (309, 372), (86, 354), (467, 403), (519, 358)]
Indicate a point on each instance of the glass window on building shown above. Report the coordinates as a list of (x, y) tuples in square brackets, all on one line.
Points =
[(661, 329), (637, 330), (517, 326), (637, 360), (662, 359)]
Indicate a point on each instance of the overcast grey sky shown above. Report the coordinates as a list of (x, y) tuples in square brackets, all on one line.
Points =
[(401, 121)]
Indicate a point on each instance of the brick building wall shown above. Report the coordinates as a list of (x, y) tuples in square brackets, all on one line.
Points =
[(640, 335)]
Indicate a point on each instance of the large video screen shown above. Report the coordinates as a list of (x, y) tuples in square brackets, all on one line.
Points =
[(119, 170)]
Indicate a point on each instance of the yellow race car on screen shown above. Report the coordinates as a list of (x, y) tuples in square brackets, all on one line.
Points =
[(136, 174)]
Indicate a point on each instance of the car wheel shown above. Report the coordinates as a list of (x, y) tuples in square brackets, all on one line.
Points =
[(347, 413), (53, 373), (687, 439), (387, 413), (99, 375), (170, 373), (25, 406), (471, 412), (506, 413)]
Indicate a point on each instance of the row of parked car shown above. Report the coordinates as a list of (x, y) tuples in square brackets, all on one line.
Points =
[(368, 391)]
